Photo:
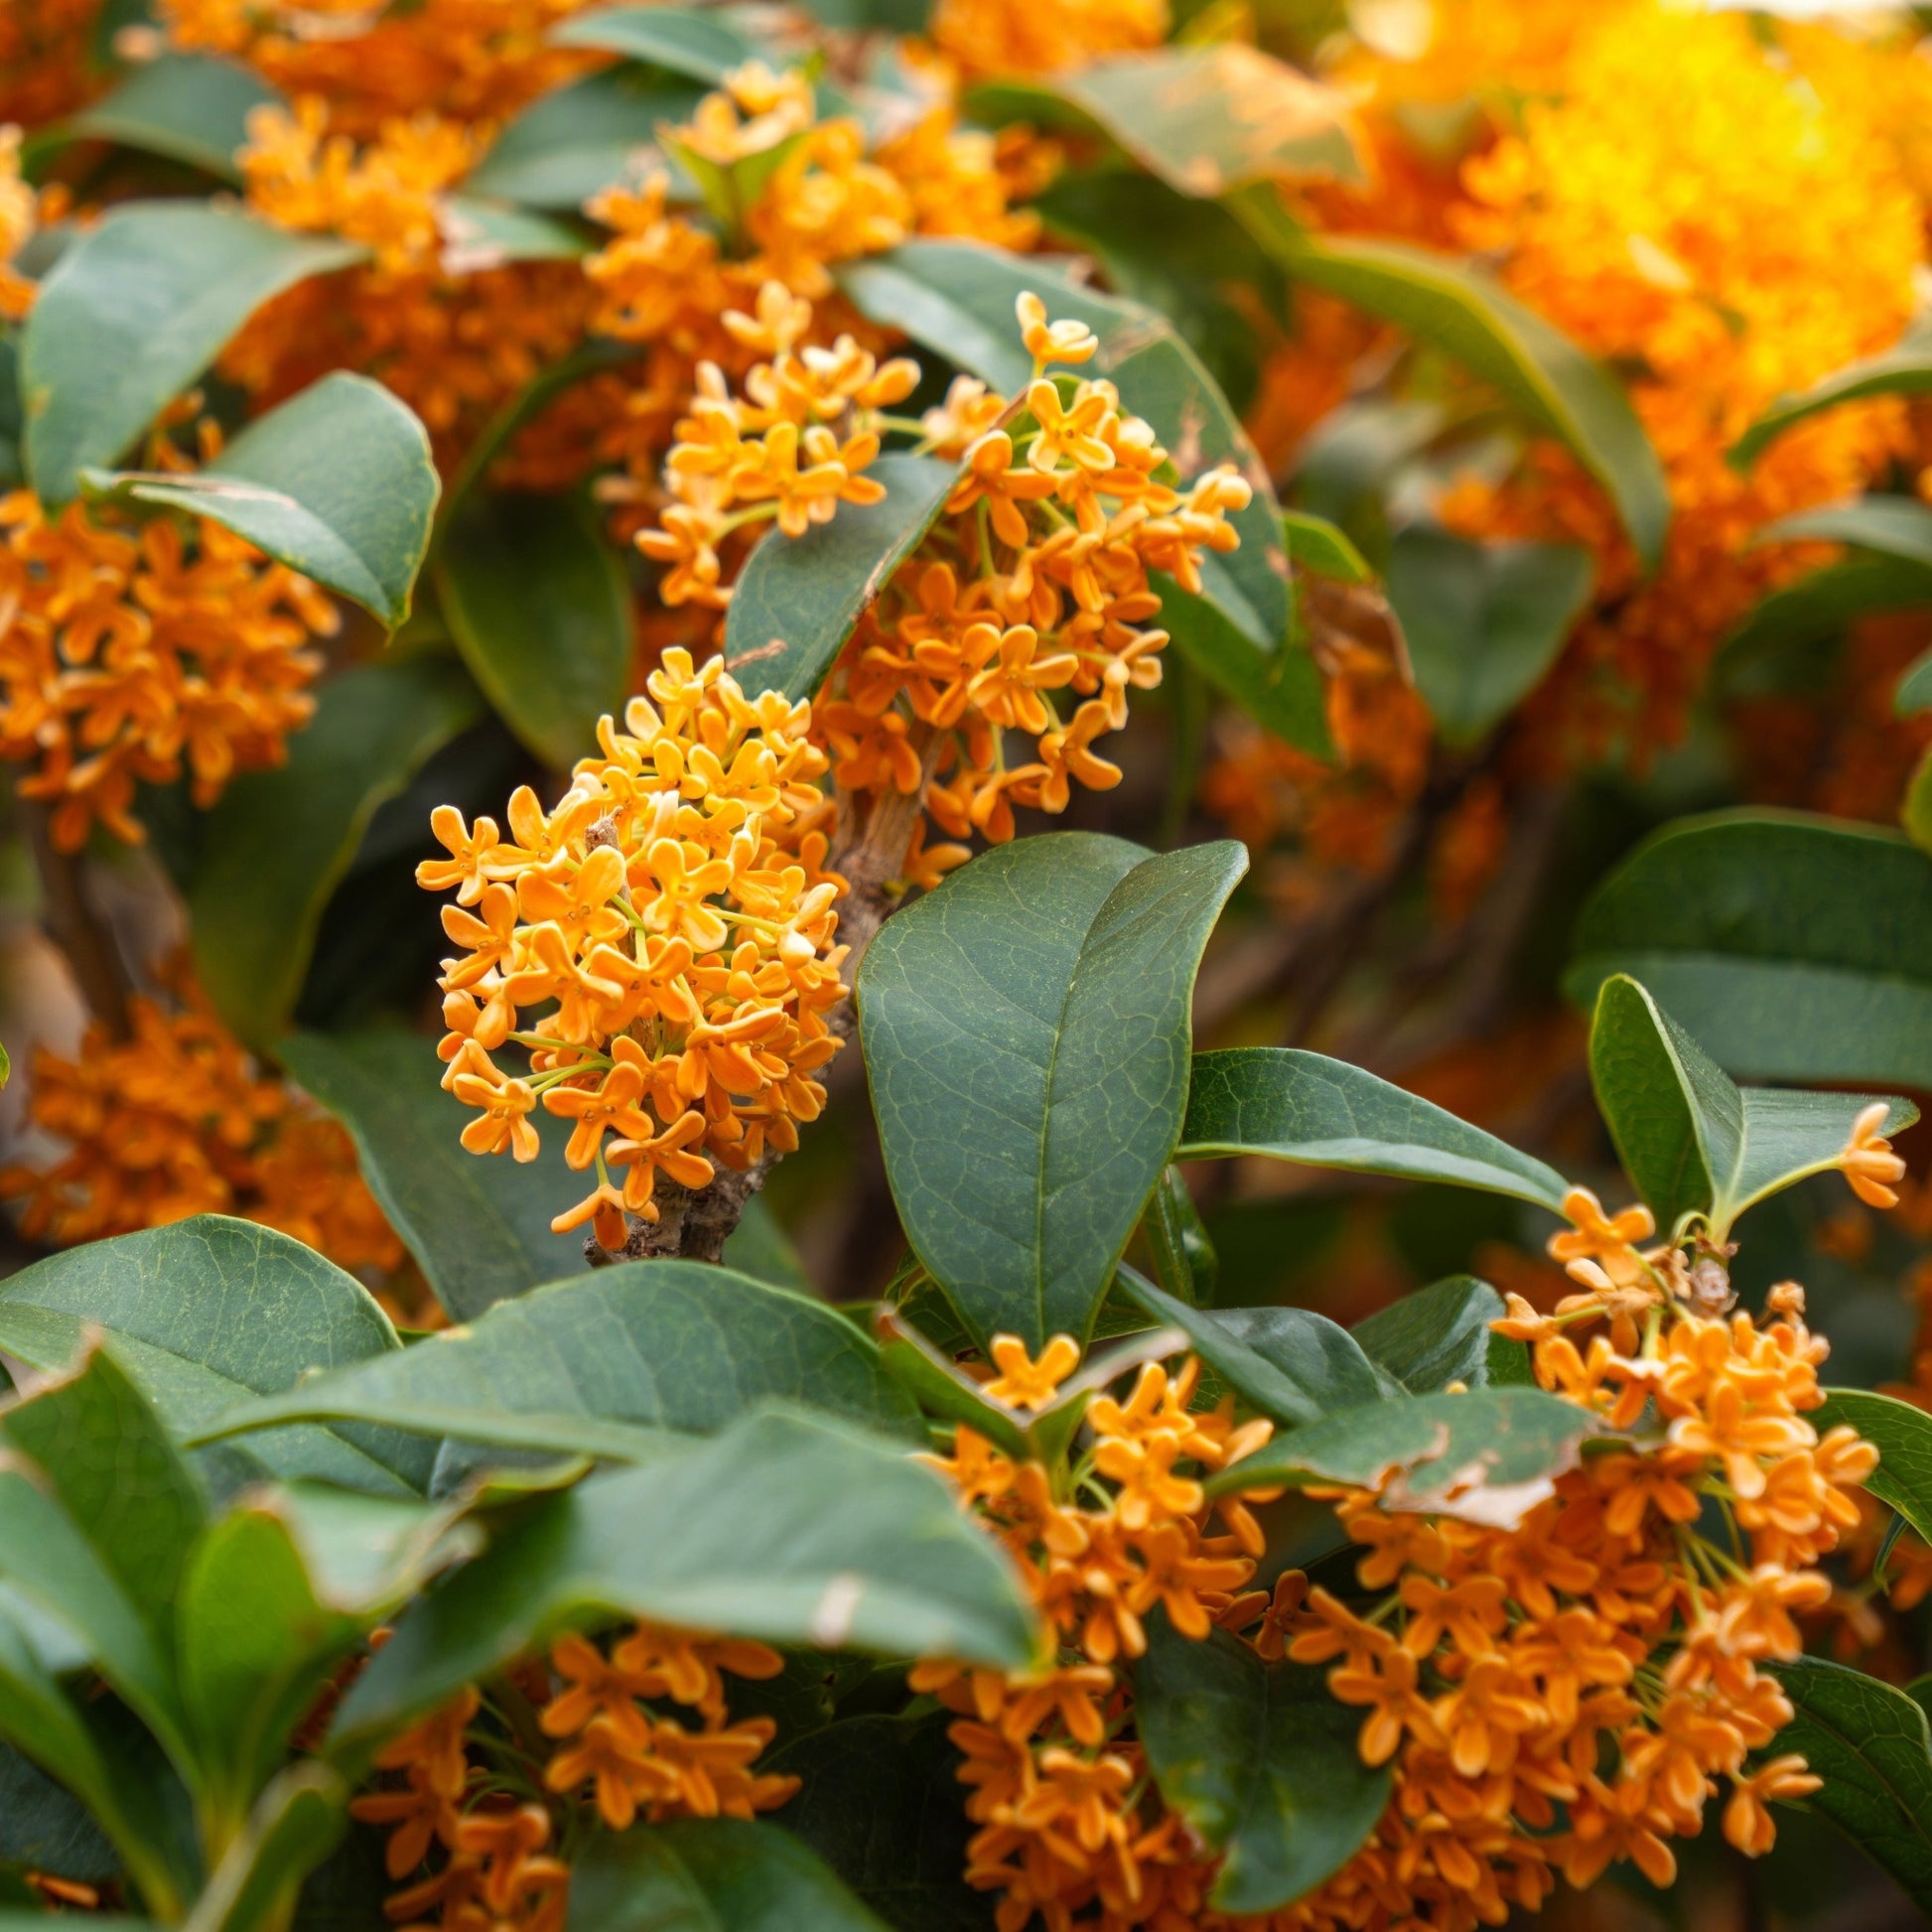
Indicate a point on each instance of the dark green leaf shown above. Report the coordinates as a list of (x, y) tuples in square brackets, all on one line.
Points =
[(1489, 1455), (568, 145), (1902, 1435), (1894, 526), (1259, 1760), (678, 40), (955, 298), (337, 484), (206, 1313), (133, 311), (1870, 1745), (1280, 690), (1483, 622), (785, 1527), (660, 1344), (295, 1824), (535, 595), (1914, 693), (1791, 947), (1903, 371), (798, 598), (1823, 604), (45, 1828), (1293, 1364), (880, 1804), (1293, 1105), (1324, 547), (479, 1228), (1438, 1335), (760, 1248), (279, 841), (191, 107), (1184, 1263), (1474, 321), (719, 1875), (1026, 1031)]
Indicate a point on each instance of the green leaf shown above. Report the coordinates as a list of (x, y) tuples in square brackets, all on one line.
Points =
[(660, 1344), (45, 1828), (785, 1527), (190, 107), (1823, 604), (1870, 1743), (337, 484), (108, 1460), (1915, 809), (1280, 690), (132, 313), (1474, 321), (569, 144), (480, 233), (1204, 119), (1185, 1262), (1489, 1456), (479, 1228), (278, 842), (1291, 1363), (1914, 693), (955, 298), (295, 1824), (1324, 547), (1791, 947), (1436, 1335), (1902, 1435), (535, 595), (798, 598), (880, 1801), (1026, 1031), (1903, 371), (714, 1875), (1691, 1140), (1293, 1105), (1893, 526), (1483, 622), (1259, 1760), (676, 40), (206, 1313), (760, 1248)]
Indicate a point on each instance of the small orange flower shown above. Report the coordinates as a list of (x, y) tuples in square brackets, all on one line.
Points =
[(1022, 1382)]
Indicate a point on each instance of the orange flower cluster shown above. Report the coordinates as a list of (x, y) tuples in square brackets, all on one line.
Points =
[(20, 216), (499, 1867), (176, 1120), (1036, 582), (45, 59), (1044, 35), (673, 914), (1057, 1789), (127, 652)]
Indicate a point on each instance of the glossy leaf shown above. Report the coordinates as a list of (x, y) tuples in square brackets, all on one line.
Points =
[(1291, 1363), (208, 1314), (1325, 548), (536, 597), (1483, 622), (1691, 1139), (1288, 1104), (798, 598), (191, 107), (1823, 604), (337, 484), (785, 1527), (1893, 526), (1184, 1263), (1902, 1435), (45, 1828), (660, 1344), (1026, 1031), (719, 1875), (678, 40), (1259, 1760), (279, 841), (1870, 1743), (1903, 371), (1281, 690), (955, 298), (569, 144), (132, 313), (1436, 1335), (1790, 947), (1488, 1456), (1474, 321), (479, 1228)]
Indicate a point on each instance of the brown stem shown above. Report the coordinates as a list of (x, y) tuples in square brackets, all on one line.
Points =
[(74, 926)]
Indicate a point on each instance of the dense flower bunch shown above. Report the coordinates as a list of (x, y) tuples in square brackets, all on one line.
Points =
[(45, 64), (673, 916), (643, 1725), (130, 651), (176, 1120), (1036, 582), (1044, 35), (20, 216)]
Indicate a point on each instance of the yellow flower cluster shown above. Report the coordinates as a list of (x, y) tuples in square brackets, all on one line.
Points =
[(480, 1852), (1044, 35), (176, 1120), (673, 914), (46, 65), (128, 652), (20, 216)]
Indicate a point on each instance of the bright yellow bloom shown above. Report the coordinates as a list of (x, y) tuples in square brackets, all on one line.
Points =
[(1867, 1161)]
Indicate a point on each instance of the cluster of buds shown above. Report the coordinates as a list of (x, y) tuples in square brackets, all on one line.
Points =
[(672, 921)]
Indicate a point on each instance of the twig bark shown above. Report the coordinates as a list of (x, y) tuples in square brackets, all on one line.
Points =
[(73, 922)]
